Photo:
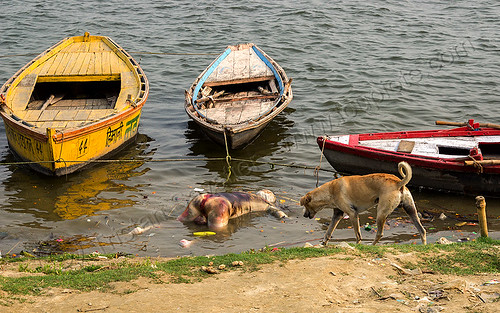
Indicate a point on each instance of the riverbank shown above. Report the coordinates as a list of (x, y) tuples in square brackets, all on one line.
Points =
[(406, 278)]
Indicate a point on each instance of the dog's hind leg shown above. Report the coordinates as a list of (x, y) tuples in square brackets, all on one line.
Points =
[(354, 217), (380, 227), (411, 210), (337, 216)]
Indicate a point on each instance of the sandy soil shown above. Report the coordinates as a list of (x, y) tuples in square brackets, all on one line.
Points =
[(340, 283)]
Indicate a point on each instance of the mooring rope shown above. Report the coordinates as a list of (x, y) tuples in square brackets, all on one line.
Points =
[(131, 52), (476, 164), (318, 168), (228, 157)]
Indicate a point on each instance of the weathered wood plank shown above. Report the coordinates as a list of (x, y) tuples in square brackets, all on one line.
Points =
[(224, 71), (91, 67), (82, 115), (98, 62), (241, 64), (237, 81), (44, 68), (24, 89), (47, 115), (78, 64), (85, 64), (106, 66), (56, 61), (115, 64), (65, 115), (62, 64), (32, 115), (99, 114), (238, 112), (70, 64), (258, 67)]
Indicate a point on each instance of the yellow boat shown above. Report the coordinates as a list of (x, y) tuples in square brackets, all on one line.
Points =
[(78, 101)]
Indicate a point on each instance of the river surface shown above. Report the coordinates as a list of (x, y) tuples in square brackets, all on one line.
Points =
[(357, 67)]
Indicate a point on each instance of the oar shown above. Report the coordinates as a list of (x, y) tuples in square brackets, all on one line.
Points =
[(482, 162), (51, 100), (490, 125)]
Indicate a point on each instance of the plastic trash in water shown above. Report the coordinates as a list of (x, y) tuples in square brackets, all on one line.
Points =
[(185, 243), (204, 233)]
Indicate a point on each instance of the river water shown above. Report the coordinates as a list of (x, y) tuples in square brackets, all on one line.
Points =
[(357, 66)]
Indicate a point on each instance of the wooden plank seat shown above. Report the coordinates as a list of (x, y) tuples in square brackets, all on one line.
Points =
[(63, 118), (238, 112), (239, 81)]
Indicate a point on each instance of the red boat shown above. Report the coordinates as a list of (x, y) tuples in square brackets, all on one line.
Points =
[(463, 160)]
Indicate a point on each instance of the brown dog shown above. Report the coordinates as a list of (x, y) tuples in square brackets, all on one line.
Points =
[(216, 209), (354, 194)]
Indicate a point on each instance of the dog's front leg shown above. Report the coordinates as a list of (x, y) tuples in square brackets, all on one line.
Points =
[(337, 216)]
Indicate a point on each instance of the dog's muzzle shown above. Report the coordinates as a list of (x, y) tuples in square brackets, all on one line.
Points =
[(308, 214)]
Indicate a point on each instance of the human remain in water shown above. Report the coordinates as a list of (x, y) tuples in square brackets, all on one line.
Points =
[(215, 210)]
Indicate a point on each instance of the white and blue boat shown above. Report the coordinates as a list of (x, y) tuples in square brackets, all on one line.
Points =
[(238, 95)]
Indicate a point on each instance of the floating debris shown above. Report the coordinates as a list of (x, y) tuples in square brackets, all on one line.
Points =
[(491, 282), (185, 243), (204, 233), (139, 230), (444, 241)]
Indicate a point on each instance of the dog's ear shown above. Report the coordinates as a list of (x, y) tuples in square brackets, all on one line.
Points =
[(305, 199)]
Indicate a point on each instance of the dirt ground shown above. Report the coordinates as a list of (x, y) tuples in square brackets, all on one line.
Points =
[(340, 283)]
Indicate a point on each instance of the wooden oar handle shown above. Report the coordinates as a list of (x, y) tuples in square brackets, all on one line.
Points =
[(482, 162), (450, 123), (490, 125)]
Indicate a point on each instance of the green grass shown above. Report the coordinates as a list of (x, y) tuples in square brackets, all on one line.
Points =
[(479, 256)]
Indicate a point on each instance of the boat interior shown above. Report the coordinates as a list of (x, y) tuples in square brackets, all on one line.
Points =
[(69, 104), (449, 147), (237, 102), (490, 150), (78, 82)]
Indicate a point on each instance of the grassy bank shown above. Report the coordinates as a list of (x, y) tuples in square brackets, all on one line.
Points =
[(92, 272)]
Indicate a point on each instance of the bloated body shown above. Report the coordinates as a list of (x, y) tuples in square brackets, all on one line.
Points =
[(354, 194), (215, 210)]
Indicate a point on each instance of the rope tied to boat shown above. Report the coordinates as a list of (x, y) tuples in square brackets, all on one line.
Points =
[(318, 168), (228, 157), (477, 164)]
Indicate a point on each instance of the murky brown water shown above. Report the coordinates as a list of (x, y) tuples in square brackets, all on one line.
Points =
[(357, 67)]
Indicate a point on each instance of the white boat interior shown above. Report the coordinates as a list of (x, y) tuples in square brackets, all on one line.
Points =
[(442, 147)]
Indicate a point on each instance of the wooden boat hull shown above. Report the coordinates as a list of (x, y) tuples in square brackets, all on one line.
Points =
[(55, 155), (352, 155), (68, 136), (235, 139), (237, 134)]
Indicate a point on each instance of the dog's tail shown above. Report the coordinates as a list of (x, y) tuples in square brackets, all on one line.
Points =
[(404, 170)]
